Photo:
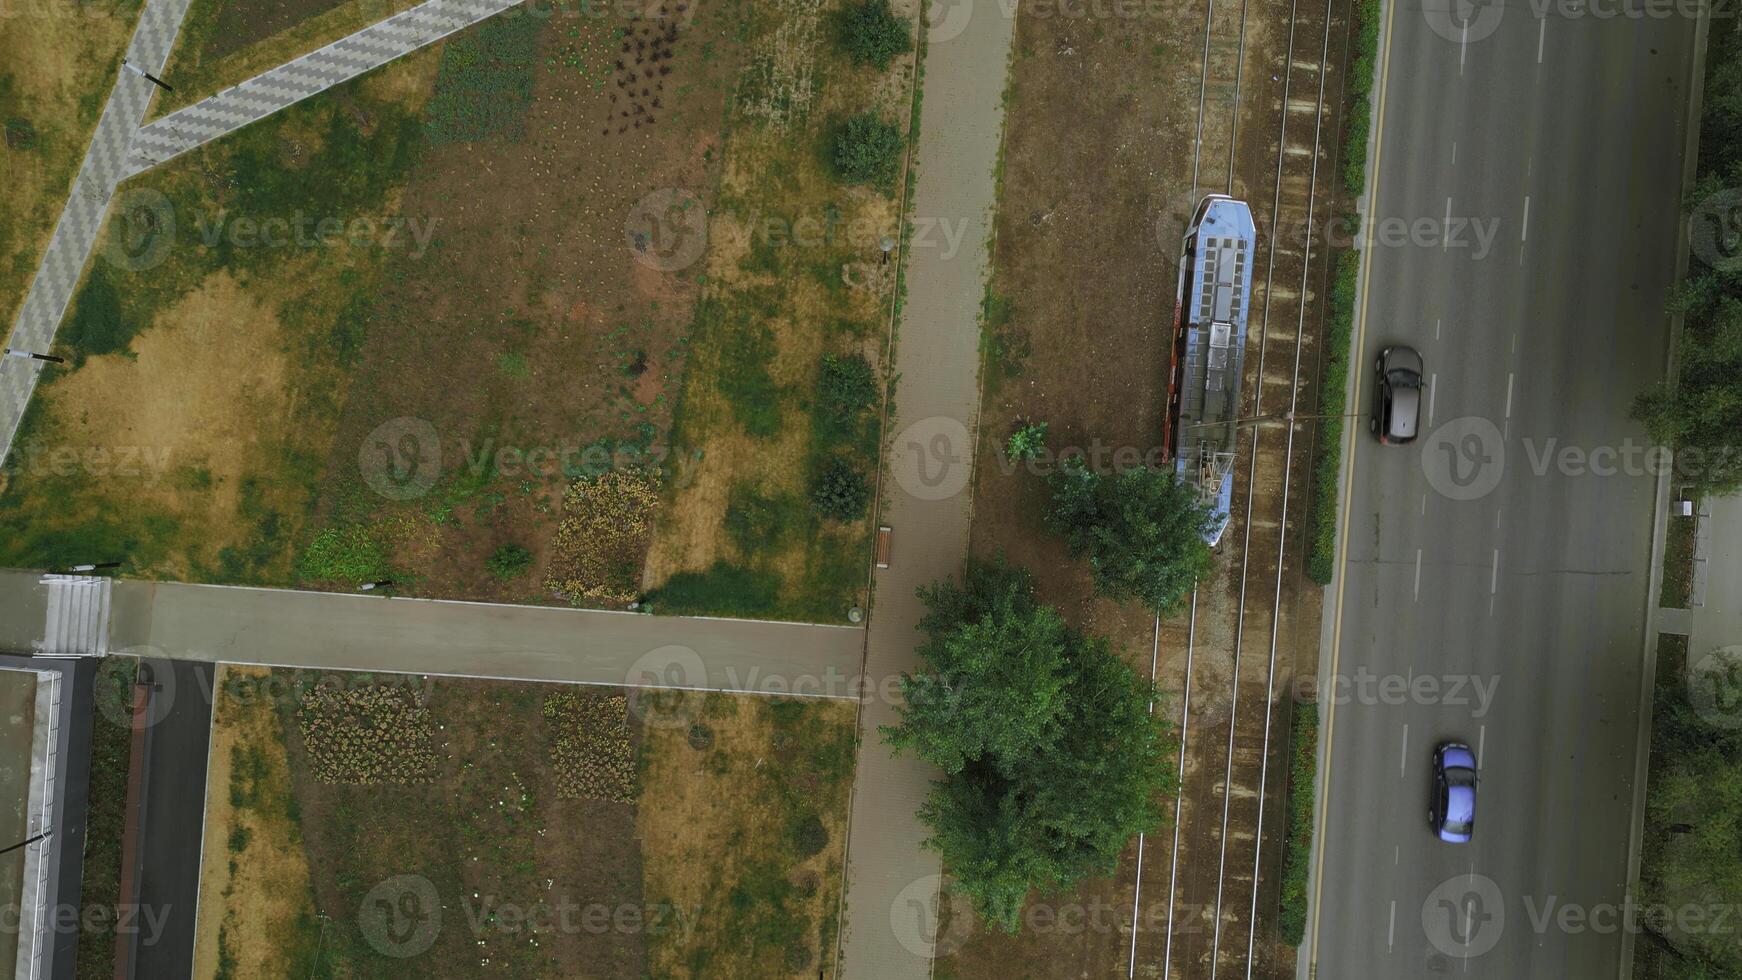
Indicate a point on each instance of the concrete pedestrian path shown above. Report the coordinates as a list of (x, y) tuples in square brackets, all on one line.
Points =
[(891, 929), (289, 83), (335, 631), (75, 235)]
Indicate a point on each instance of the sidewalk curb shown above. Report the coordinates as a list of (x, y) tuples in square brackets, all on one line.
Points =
[(1660, 508)]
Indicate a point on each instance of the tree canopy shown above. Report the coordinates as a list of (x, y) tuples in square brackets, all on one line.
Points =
[(1141, 529), (1052, 759)]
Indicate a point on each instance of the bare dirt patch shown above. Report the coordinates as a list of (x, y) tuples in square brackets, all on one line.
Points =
[(528, 337)]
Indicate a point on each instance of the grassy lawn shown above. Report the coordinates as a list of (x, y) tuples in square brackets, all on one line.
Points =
[(783, 393), (1678, 562), (545, 829), (210, 343), (224, 42), (57, 64)]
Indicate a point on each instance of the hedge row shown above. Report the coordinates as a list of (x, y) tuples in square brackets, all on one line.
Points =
[(1298, 845), (1332, 404)]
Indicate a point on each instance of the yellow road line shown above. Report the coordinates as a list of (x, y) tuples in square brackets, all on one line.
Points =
[(1356, 364)]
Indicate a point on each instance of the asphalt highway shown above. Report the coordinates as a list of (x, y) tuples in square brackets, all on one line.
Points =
[(1494, 591)]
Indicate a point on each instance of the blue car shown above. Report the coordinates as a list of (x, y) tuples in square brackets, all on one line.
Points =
[(1452, 812)]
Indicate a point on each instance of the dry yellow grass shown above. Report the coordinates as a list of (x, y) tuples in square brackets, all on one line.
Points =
[(772, 170), (57, 65), (254, 897), (711, 823)]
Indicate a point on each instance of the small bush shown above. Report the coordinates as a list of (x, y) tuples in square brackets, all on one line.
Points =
[(809, 836), (509, 562), (867, 150), (839, 491), (848, 386), (873, 35), (1027, 442)]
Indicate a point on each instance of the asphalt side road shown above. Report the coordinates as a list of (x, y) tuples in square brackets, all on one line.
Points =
[(1494, 587)]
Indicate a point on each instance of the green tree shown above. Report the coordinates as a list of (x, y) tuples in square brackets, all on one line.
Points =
[(1052, 758), (1700, 416), (867, 150), (1142, 531), (839, 491), (873, 35)]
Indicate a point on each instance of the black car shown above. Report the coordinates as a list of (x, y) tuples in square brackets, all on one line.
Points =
[(1397, 398)]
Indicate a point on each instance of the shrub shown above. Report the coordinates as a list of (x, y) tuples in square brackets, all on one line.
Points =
[(873, 35), (809, 836), (867, 150), (1321, 561), (20, 134), (509, 562), (1027, 442), (848, 386), (839, 491)]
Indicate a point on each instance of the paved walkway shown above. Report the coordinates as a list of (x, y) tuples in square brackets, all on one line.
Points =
[(1717, 621), (76, 233), (339, 62), (892, 888), (331, 631)]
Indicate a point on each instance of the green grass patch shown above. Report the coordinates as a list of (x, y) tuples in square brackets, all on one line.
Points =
[(485, 82), (724, 589), (1333, 400), (1297, 845)]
